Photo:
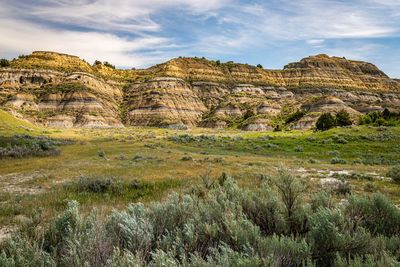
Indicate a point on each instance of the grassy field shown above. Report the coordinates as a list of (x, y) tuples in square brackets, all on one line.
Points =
[(145, 164)]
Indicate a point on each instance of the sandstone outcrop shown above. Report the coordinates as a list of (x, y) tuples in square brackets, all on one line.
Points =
[(59, 90), (161, 102)]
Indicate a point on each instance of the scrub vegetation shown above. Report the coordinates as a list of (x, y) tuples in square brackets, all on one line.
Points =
[(202, 197)]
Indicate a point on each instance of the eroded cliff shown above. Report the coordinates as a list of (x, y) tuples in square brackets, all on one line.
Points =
[(60, 90)]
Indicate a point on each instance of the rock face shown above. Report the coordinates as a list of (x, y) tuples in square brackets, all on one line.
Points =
[(161, 102), (59, 90)]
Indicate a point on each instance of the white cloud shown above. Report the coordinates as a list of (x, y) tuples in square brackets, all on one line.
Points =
[(117, 15), (315, 41), (87, 45)]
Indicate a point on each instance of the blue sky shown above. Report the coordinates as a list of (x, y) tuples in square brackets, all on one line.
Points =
[(140, 33)]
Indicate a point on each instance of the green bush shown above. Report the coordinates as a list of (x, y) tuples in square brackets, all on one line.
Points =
[(101, 153), (22, 146), (394, 173), (4, 62), (298, 149), (272, 225), (343, 118), (337, 160), (376, 118), (107, 64), (325, 122)]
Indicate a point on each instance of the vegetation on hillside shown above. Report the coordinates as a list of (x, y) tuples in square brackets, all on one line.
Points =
[(377, 118), (327, 121), (22, 146)]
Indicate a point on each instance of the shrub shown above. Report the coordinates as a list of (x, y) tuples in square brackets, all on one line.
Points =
[(343, 188), (97, 62), (312, 160), (311, 138), (227, 226), (21, 146), (271, 145), (325, 122), (298, 149), (4, 62), (375, 213), (96, 184), (394, 173), (370, 187), (343, 118), (290, 189), (333, 153), (337, 160), (295, 116), (186, 158), (101, 153), (259, 66)]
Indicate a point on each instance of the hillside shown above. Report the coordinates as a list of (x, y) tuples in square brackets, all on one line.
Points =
[(60, 90)]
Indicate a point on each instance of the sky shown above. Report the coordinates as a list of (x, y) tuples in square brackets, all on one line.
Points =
[(141, 33)]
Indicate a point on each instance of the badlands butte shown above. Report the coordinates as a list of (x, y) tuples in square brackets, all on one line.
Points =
[(59, 90)]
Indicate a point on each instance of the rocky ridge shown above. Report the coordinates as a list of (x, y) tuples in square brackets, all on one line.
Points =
[(59, 90)]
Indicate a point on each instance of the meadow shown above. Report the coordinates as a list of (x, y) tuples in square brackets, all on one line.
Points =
[(108, 169)]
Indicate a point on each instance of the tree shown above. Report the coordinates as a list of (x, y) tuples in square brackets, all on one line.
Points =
[(386, 114), (343, 118), (97, 62), (218, 62), (4, 62), (248, 114), (259, 66), (325, 122), (107, 64)]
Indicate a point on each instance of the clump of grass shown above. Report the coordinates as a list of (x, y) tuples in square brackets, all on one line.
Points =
[(337, 160)]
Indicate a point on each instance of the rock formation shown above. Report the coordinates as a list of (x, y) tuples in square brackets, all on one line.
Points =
[(59, 90)]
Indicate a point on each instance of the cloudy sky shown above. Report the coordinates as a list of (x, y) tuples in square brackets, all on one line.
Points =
[(140, 33)]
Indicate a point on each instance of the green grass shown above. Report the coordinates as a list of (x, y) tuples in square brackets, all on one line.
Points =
[(10, 125), (249, 157)]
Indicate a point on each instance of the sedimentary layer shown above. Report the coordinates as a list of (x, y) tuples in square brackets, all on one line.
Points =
[(60, 90)]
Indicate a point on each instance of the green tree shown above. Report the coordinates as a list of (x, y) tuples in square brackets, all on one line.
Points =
[(325, 122), (97, 62), (107, 64), (248, 114), (343, 118), (4, 62), (259, 66)]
